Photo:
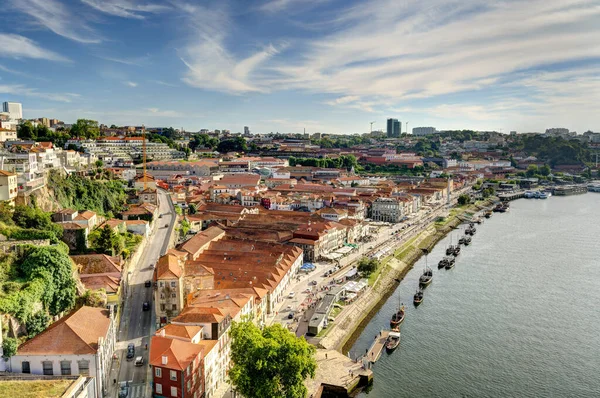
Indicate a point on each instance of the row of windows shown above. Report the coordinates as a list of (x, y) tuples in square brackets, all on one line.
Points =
[(163, 284), (65, 368), (162, 295), (163, 307)]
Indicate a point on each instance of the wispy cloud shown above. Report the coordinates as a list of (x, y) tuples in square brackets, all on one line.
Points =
[(131, 84), (125, 8), (17, 46), (139, 61), (210, 64), (19, 73), (55, 16), (22, 90), (163, 83), (164, 113)]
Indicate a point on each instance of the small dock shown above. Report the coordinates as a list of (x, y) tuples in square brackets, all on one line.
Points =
[(505, 197), (337, 375), (377, 347)]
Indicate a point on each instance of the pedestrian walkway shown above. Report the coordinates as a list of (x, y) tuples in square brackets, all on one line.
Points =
[(137, 391)]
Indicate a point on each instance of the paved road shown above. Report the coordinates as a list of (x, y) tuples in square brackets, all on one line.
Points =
[(137, 325)]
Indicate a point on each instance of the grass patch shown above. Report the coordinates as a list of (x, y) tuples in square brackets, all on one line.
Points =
[(34, 388), (374, 275), (335, 312)]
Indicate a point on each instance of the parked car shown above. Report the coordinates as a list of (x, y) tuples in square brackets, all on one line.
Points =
[(139, 361), (291, 315), (291, 295), (313, 283), (146, 306), (148, 283), (123, 389), (130, 351)]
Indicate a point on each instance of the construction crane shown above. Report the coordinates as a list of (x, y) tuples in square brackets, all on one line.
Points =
[(372, 123), (144, 156)]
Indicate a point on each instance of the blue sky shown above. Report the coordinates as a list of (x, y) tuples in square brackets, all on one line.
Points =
[(324, 65)]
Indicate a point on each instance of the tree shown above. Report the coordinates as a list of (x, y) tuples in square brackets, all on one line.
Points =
[(271, 362), (545, 170), (85, 128), (53, 266), (34, 218), (463, 199), (37, 323), (532, 170), (107, 242), (238, 144), (9, 346), (366, 266), (99, 163), (26, 131)]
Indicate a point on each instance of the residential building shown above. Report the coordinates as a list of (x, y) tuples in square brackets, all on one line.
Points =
[(14, 109), (177, 368), (394, 128), (169, 296), (81, 343), (99, 271), (8, 186), (7, 134), (387, 210), (419, 131)]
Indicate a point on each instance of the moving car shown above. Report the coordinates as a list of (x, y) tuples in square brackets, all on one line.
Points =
[(146, 306), (139, 361), (130, 351), (291, 295), (291, 315), (148, 283)]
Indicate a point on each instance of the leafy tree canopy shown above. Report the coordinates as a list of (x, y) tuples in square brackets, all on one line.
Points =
[(271, 362), (238, 144), (367, 266), (85, 128)]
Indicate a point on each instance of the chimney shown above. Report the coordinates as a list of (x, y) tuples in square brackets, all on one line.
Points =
[(165, 359)]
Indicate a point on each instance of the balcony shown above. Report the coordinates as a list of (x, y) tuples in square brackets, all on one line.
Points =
[(32, 185)]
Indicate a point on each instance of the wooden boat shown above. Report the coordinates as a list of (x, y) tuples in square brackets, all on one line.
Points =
[(467, 241), (461, 241), (418, 298), (427, 276), (398, 317), (393, 340), (488, 214), (450, 265), (456, 251)]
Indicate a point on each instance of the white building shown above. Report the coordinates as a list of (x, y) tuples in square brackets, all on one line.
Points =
[(8, 134), (81, 343), (15, 110), (8, 186), (387, 210), (424, 131)]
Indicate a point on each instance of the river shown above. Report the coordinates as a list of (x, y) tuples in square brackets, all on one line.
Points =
[(518, 316)]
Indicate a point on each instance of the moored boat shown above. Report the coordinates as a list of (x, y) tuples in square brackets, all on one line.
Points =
[(456, 251), (461, 241), (467, 241), (544, 195), (393, 340), (427, 276), (398, 317), (442, 263), (450, 265), (488, 214), (418, 298), (450, 250)]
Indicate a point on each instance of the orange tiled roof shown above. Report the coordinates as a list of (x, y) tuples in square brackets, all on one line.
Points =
[(96, 263), (74, 334), (179, 354), (168, 267), (183, 331)]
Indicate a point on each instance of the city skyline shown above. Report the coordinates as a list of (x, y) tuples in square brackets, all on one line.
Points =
[(285, 65)]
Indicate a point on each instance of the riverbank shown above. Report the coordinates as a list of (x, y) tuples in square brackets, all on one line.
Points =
[(352, 320)]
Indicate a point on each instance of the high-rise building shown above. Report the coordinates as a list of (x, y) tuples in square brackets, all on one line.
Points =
[(246, 130), (424, 130), (394, 128), (15, 109)]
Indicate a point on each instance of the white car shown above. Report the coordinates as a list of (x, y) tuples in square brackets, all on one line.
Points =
[(291, 295)]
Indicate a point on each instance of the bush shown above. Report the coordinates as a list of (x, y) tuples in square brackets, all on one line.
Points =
[(464, 199), (37, 323), (366, 266)]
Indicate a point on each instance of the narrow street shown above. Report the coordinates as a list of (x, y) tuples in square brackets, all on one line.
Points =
[(137, 325)]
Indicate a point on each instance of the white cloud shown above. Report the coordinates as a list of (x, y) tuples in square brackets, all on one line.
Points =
[(22, 90), (164, 113), (139, 61), (125, 8), (163, 83), (131, 84), (17, 46), (53, 15)]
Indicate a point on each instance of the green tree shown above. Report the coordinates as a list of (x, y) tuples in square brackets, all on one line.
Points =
[(271, 362), (55, 268), (463, 200), (531, 170), (366, 266), (85, 128), (9, 346), (545, 170), (107, 241), (99, 163), (238, 144), (25, 131), (34, 218), (37, 323)]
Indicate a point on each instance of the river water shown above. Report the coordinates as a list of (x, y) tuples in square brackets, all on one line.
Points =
[(518, 316)]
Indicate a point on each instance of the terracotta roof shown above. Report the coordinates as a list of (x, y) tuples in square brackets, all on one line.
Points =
[(113, 223), (6, 173), (136, 222), (74, 334), (85, 215), (201, 315), (183, 331), (71, 225), (198, 241), (168, 267), (109, 282), (96, 263), (66, 211), (179, 354)]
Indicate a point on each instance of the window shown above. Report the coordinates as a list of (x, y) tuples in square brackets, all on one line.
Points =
[(25, 367), (84, 368), (159, 388), (174, 307), (173, 391), (65, 368), (162, 307), (173, 295), (47, 366), (173, 284), (189, 385), (173, 375), (161, 284), (162, 296), (158, 372)]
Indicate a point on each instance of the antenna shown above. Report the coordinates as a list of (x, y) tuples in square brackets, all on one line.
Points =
[(372, 123), (144, 155)]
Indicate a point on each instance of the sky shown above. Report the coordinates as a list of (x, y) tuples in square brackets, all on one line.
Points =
[(330, 66)]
